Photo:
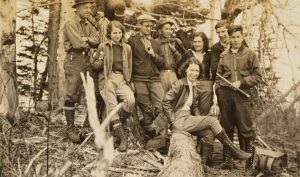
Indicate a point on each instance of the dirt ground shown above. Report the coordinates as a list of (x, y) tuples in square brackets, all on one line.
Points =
[(28, 139)]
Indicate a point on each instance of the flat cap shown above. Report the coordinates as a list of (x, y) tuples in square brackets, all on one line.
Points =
[(146, 17), (162, 22), (78, 2)]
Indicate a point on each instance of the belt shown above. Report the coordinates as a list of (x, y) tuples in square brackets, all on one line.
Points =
[(117, 72), (78, 51), (168, 70)]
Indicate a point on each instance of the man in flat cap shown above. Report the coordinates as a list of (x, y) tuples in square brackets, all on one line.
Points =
[(79, 37), (147, 59)]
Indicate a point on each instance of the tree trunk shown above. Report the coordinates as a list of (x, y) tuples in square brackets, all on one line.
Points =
[(66, 14), (8, 82), (52, 68), (183, 158)]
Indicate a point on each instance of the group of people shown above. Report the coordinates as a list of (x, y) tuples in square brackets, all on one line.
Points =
[(169, 83)]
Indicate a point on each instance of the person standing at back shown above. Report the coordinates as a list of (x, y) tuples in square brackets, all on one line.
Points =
[(79, 37), (200, 50), (146, 59), (171, 54), (218, 48)]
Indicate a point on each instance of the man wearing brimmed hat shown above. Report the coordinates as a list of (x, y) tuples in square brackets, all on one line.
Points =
[(79, 37), (147, 59), (172, 56)]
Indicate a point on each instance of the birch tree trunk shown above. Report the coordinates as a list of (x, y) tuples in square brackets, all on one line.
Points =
[(52, 64), (8, 82)]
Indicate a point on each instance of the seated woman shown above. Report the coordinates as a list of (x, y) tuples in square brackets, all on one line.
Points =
[(181, 108), (114, 59), (205, 85)]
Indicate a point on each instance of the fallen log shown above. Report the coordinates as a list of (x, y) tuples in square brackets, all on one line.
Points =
[(183, 158)]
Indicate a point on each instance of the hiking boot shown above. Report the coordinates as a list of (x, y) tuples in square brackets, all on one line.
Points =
[(206, 144), (150, 131), (249, 147), (124, 115), (234, 151), (71, 132), (120, 134), (74, 135), (209, 170), (229, 163)]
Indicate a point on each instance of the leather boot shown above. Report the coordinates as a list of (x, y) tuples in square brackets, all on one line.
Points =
[(205, 153), (71, 132), (249, 147), (120, 134), (228, 163), (124, 115), (234, 151)]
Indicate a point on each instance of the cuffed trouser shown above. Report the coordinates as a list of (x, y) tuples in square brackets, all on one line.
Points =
[(184, 121), (74, 64), (205, 90), (235, 111), (167, 78), (116, 90), (149, 96)]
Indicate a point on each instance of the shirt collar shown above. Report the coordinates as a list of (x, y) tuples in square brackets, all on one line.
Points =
[(81, 20), (223, 44), (144, 36), (110, 43), (190, 84), (163, 39), (240, 49)]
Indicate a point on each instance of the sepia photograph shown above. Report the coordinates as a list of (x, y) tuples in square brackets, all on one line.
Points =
[(149, 88)]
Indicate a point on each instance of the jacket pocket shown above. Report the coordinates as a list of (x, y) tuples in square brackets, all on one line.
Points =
[(227, 74)]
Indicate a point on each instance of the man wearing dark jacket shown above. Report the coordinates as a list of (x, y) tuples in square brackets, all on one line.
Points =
[(146, 59), (218, 48), (171, 54), (240, 66)]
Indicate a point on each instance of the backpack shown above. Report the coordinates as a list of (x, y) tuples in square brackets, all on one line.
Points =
[(271, 162)]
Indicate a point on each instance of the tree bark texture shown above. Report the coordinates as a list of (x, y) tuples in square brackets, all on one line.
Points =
[(8, 83), (52, 64), (66, 13), (232, 8), (184, 161)]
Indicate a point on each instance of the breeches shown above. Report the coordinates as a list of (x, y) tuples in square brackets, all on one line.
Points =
[(116, 90), (149, 98), (74, 65), (184, 121)]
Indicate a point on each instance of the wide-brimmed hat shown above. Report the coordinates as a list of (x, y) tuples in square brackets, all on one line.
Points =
[(162, 22), (145, 17), (78, 2)]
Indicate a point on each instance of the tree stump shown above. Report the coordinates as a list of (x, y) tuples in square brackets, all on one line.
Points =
[(183, 157)]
